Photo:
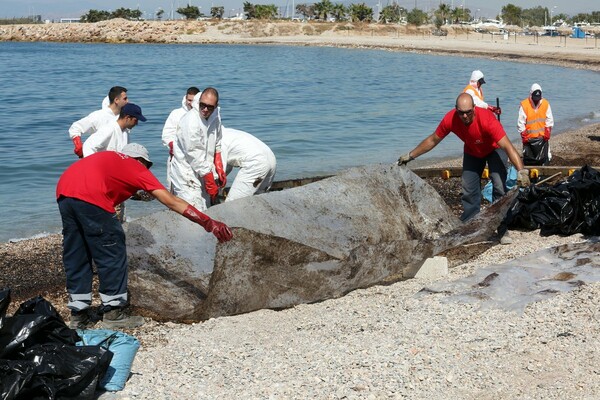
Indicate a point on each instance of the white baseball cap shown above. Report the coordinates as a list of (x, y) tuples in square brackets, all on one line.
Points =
[(136, 150)]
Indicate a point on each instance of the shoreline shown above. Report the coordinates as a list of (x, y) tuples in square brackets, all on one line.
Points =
[(559, 51)]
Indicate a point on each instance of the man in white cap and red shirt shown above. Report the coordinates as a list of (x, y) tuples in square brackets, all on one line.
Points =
[(535, 125), (87, 193), (475, 90)]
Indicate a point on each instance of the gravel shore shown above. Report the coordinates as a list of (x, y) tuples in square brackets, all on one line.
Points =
[(384, 342)]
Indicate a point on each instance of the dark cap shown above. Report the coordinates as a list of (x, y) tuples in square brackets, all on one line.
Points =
[(133, 110)]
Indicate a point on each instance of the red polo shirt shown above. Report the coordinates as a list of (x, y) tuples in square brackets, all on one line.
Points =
[(480, 137), (106, 179)]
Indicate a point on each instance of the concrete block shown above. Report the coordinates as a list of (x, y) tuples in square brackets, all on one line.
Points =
[(432, 268)]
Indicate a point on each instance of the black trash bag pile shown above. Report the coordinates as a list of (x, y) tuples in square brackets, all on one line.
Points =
[(569, 207), (38, 356)]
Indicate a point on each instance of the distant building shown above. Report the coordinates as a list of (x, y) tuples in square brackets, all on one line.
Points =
[(69, 20)]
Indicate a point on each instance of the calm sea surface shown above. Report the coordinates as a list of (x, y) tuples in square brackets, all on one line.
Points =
[(320, 109)]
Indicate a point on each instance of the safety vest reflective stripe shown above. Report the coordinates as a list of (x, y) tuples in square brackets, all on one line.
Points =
[(535, 123), (478, 92)]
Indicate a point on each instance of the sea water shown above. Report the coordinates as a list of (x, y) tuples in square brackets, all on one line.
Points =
[(320, 109)]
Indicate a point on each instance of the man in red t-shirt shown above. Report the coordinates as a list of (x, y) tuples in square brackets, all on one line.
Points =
[(87, 193), (485, 142)]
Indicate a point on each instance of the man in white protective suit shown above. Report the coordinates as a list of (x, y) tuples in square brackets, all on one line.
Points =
[(169, 132), (114, 135), (255, 160), (117, 98), (197, 152)]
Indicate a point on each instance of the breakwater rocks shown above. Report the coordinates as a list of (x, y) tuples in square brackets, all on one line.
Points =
[(182, 31), (111, 31)]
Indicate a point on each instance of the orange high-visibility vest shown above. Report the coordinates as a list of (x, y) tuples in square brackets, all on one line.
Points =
[(478, 92), (535, 122)]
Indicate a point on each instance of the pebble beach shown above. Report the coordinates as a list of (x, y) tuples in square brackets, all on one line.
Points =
[(383, 342)]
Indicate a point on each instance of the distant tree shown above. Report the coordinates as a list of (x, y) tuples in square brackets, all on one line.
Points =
[(339, 12), (95, 16), (159, 14), (511, 14), (323, 9), (189, 12), (217, 12), (360, 12), (126, 13), (417, 17), (534, 16), (249, 10), (442, 13), (460, 14), (392, 14), (265, 11), (307, 10)]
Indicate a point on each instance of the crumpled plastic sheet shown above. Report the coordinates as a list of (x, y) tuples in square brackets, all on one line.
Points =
[(517, 283)]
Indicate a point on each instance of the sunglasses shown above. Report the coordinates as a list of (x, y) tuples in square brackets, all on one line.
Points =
[(464, 112), (207, 106)]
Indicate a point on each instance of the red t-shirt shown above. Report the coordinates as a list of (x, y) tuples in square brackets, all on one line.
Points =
[(105, 179), (480, 137)]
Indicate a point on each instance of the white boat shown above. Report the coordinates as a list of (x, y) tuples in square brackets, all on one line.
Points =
[(487, 25)]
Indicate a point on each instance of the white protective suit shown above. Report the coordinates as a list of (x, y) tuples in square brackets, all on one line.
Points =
[(193, 155), (109, 137), (92, 122), (255, 160), (475, 92), (169, 132)]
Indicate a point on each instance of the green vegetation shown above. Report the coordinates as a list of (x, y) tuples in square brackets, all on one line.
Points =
[(217, 12), (189, 12), (539, 16), (260, 11), (326, 10), (101, 15)]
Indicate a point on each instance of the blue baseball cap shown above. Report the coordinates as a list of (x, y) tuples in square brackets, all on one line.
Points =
[(133, 110)]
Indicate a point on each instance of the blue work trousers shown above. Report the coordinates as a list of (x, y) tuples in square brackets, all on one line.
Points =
[(473, 167), (93, 234)]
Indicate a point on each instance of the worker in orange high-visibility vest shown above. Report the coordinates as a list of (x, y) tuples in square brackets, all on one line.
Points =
[(475, 90), (535, 124)]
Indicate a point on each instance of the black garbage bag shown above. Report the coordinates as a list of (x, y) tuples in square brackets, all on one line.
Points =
[(14, 376), (535, 152), (39, 358), (35, 322), (4, 302), (55, 371), (566, 208)]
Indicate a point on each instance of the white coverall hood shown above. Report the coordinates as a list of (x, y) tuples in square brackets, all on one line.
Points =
[(535, 87), (476, 76), (184, 103)]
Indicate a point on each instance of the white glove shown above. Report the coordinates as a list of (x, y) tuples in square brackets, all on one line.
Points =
[(523, 178)]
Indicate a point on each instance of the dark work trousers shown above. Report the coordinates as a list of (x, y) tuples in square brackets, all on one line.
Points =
[(93, 234), (473, 167)]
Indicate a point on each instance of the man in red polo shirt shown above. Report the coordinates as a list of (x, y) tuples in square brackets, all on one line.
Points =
[(485, 142), (87, 193)]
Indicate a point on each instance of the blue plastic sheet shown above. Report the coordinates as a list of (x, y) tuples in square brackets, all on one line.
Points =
[(124, 348), (511, 181)]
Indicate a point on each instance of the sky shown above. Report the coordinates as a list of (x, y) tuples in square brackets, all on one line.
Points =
[(56, 9)]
